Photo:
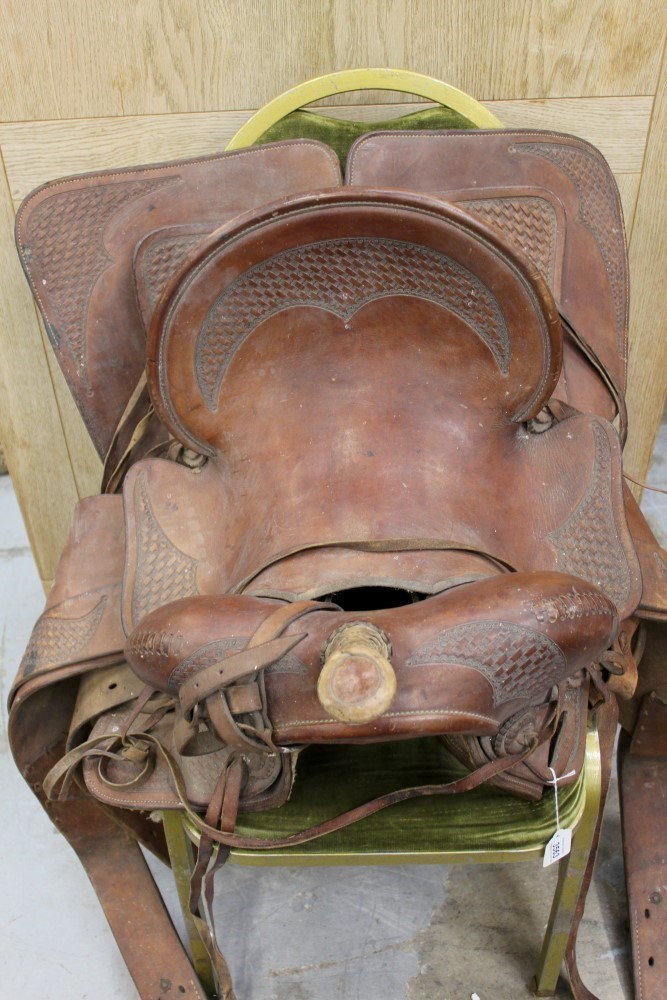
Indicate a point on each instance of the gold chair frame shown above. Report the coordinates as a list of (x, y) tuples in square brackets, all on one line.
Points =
[(181, 835), (347, 80)]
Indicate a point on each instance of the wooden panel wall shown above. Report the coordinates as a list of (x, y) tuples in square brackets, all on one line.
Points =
[(88, 85)]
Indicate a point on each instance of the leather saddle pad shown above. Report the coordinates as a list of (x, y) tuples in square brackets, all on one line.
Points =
[(81, 623), (76, 239)]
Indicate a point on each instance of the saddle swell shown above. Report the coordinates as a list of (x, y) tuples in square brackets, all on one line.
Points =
[(481, 650), (397, 506)]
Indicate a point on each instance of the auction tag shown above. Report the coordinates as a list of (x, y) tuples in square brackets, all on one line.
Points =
[(558, 847)]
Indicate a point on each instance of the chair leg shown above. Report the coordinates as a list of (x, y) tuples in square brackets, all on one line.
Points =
[(182, 864), (571, 872)]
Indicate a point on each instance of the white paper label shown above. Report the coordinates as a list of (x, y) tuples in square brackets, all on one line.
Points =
[(558, 847)]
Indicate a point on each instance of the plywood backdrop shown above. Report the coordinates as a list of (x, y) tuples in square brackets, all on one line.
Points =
[(88, 84)]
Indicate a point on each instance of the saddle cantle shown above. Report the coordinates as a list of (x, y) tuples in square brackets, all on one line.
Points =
[(371, 486)]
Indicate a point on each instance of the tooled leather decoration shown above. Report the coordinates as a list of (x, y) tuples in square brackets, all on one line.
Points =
[(516, 660), (164, 573), (341, 276), (529, 222), (371, 382), (57, 640), (600, 212), (588, 544), (72, 268)]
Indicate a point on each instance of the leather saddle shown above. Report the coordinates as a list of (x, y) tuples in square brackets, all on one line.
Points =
[(363, 445)]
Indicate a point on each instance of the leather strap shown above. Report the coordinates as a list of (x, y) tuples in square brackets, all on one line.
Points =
[(276, 623), (643, 789), (605, 375), (226, 729), (264, 648), (138, 434), (464, 784), (235, 667), (381, 545), (222, 811), (131, 901)]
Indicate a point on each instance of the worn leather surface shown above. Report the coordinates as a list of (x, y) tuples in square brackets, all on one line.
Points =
[(653, 563), (366, 373), (552, 196), (346, 254), (481, 651), (175, 515), (643, 789), (377, 391), (268, 784), (81, 621), (76, 239)]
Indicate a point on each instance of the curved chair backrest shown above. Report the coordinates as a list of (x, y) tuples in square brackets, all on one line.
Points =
[(285, 117)]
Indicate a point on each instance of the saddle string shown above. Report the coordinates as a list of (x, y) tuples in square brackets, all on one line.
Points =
[(126, 745), (117, 458), (140, 423), (216, 829), (221, 812), (644, 486), (605, 375)]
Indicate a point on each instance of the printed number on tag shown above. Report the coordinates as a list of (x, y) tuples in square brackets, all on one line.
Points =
[(558, 847)]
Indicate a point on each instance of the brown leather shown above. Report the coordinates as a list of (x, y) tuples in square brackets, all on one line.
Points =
[(653, 563), (469, 647), (643, 789), (551, 195), (81, 621), (106, 840), (401, 390), (366, 490), (76, 239)]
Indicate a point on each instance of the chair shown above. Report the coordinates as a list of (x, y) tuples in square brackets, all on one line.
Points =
[(284, 117), (484, 826)]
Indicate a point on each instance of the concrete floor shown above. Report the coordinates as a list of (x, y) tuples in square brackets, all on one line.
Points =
[(418, 932)]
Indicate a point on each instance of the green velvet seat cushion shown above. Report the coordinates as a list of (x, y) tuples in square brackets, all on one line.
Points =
[(331, 779), (340, 134)]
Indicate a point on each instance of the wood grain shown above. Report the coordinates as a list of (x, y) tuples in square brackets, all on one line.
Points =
[(618, 126), (647, 384), (628, 188), (73, 59), (84, 460), (30, 427)]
